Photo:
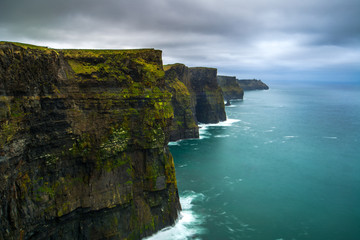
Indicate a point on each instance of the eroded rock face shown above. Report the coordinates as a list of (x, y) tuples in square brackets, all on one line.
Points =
[(252, 84), (196, 97), (230, 87), (83, 144), (184, 124), (210, 106)]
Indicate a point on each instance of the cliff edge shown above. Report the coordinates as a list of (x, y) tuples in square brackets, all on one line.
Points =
[(210, 106), (83, 144), (230, 87), (196, 97), (184, 124), (252, 84)]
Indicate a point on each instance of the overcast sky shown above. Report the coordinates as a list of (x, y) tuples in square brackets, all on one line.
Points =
[(266, 39)]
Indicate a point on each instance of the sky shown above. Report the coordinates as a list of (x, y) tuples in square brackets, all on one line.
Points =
[(264, 39)]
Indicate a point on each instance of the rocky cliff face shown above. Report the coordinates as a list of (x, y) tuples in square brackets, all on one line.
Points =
[(83, 144), (230, 87), (210, 106), (184, 124), (252, 84), (197, 97)]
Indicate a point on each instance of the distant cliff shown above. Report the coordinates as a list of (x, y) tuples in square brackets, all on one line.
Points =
[(184, 124), (200, 101), (210, 106), (252, 84), (83, 144), (230, 87)]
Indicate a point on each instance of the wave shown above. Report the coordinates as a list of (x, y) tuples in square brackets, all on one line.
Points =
[(226, 123), (189, 223), (289, 137), (203, 130), (203, 133), (221, 136), (203, 127), (177, 143), (330, 137)]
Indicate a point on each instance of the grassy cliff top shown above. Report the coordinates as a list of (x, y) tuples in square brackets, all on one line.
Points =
[(169, 66), (92, 52), (123, 66), (99, 52), (24, 45), (203, 68)]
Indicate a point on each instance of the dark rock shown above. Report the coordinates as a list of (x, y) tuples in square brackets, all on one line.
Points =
[(230, 87), (83, 144), (252, 84), (184, 124), (210, 106), (196, 97)]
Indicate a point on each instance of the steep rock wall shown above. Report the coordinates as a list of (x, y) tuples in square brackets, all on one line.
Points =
[(184, 124), (230, 87), (83, 144), (210, 106), (196, 97)]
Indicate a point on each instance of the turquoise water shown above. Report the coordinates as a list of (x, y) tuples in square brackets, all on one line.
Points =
[(286, 165)]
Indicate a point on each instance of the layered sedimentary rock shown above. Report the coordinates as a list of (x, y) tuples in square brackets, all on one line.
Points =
[(252, 84), (83, 144), (230, 87), (184, 124), (197, 97), (210, 106)]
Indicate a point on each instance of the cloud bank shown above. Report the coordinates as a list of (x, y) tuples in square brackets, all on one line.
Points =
[(278, 39)]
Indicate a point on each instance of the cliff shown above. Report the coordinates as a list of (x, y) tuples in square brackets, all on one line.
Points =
[(83, 144), (210, 106), (252, 84), (184, 124), (197, 97), (230, 87)]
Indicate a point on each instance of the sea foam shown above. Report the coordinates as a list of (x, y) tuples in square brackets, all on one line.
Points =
[(189, 223), (226, 123), (203, 131), (330, 137), (174, 143)]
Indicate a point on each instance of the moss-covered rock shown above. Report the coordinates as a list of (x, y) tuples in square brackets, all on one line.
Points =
[(197, 97), (83, 144), (184, 124), (230, 87)]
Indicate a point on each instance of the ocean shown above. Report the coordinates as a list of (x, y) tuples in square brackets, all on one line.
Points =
[(284, 166)]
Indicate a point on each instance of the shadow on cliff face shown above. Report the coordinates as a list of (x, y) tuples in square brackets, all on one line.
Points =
[(196, 97), (83, 144)]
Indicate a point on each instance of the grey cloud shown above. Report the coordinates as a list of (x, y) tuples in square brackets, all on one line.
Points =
[(258, 34)]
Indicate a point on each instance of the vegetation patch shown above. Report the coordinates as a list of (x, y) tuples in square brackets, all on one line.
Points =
[(12, 121)]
